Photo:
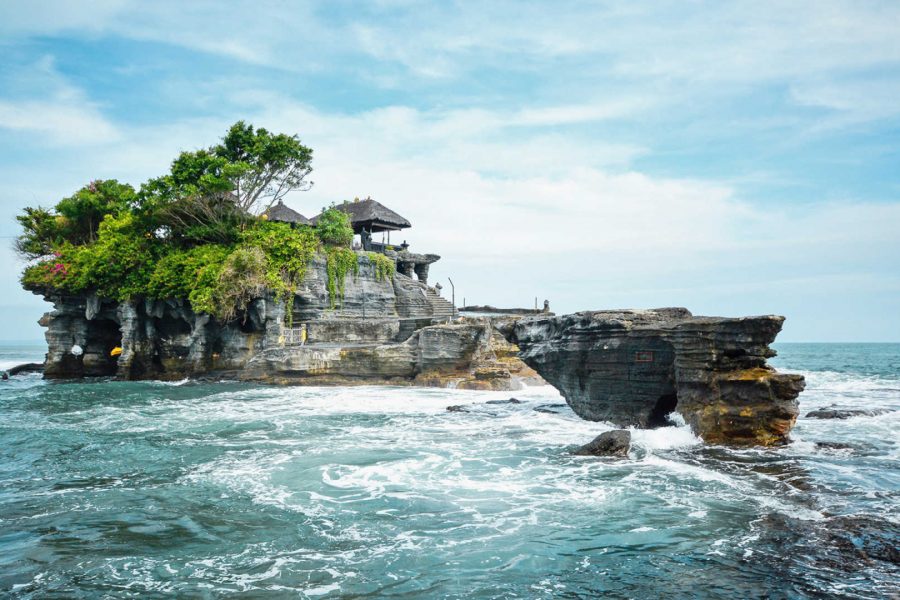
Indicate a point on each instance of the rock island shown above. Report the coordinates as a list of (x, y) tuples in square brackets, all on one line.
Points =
[(205, 272)]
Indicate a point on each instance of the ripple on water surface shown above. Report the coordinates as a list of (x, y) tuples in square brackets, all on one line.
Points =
[(202, 489)]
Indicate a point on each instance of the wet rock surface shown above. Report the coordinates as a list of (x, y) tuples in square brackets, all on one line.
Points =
[(608, 443), (510, 401), (844, 543), (24, 368), (635, 367), (551, 409), (844, 413)]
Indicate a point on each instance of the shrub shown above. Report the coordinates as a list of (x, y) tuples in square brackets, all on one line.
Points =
[(243, 279), (333, 227), (288, 250), (192, 274)]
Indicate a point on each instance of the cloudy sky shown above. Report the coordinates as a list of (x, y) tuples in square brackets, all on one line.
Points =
[(735, 158)]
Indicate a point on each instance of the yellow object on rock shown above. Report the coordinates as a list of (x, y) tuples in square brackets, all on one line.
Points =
[(116, 351)]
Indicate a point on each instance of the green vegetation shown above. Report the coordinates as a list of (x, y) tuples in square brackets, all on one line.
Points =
[(192, 233), (341, 262), (334, 227), (384, 266)]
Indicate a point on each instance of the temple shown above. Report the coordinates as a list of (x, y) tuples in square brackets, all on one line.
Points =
[(369, 216), (282, 213)]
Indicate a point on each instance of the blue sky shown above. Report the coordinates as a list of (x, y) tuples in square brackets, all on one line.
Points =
[(735, 158)]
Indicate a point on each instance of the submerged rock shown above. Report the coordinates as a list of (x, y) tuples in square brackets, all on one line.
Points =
[(838, 413), (457, 408), (835, 446), (23, 368), (510, 401), (552, 409), (635, 367), (608, 443), (846, 543)]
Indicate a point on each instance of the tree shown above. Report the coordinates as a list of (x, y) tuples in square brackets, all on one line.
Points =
[(194, 203), (41, 233), (266, 166), (75, 219), (210, 195), (85, 209)]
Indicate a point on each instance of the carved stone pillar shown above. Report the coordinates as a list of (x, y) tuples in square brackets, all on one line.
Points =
[(422, 272)]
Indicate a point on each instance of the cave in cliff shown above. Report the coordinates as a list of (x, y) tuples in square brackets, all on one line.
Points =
[(100, 340)]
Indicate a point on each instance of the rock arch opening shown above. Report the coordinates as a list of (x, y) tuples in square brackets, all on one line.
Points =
[(664, 407)]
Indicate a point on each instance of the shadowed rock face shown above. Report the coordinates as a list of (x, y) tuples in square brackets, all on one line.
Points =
[(633, 367)]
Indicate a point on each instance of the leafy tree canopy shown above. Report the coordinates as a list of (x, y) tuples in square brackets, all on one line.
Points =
[(75, 219), (266, 166), (192, 233)]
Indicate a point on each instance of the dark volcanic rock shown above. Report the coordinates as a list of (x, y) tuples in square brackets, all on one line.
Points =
[(634, 367), (835, 446), (25, 368), (845, 543), (457, 408), (609, 443), (510, 401), (553, 409), (837, 413)]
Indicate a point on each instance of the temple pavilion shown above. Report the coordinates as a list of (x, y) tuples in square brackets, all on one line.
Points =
[(282, 213), (369, 216)]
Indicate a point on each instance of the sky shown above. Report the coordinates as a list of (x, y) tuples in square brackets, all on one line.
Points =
[(735, 158)]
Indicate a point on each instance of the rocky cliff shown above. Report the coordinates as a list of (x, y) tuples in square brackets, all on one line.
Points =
[(385, 330), (635, 367)]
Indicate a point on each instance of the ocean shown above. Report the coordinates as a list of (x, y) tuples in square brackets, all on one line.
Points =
[(206, 490)]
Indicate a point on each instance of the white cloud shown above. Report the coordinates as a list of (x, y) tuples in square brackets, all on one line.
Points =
[(851, 101), (61, 122), (63, 115), (47, 17)]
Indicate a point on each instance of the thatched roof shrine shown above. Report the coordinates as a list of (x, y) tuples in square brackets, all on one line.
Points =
[(371, 216), (282, 213)]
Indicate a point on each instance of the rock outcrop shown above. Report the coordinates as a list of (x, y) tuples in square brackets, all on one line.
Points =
[(845, 413), (23, 368), (635, 367), (385, 330), (608, 443)]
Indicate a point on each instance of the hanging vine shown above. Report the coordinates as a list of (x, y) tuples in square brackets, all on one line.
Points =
[(384, 266), (340, 263)]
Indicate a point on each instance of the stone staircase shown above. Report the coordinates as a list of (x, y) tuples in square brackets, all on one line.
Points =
[(442, 309), (419, 306)]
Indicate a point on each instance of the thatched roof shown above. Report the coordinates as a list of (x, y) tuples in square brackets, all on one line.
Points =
[(371, 215), (285, 214)]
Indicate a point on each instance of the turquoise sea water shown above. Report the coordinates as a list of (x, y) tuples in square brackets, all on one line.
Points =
[(149, 489)]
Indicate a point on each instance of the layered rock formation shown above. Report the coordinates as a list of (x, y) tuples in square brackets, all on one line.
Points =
[(388, 330), (634, 367)]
